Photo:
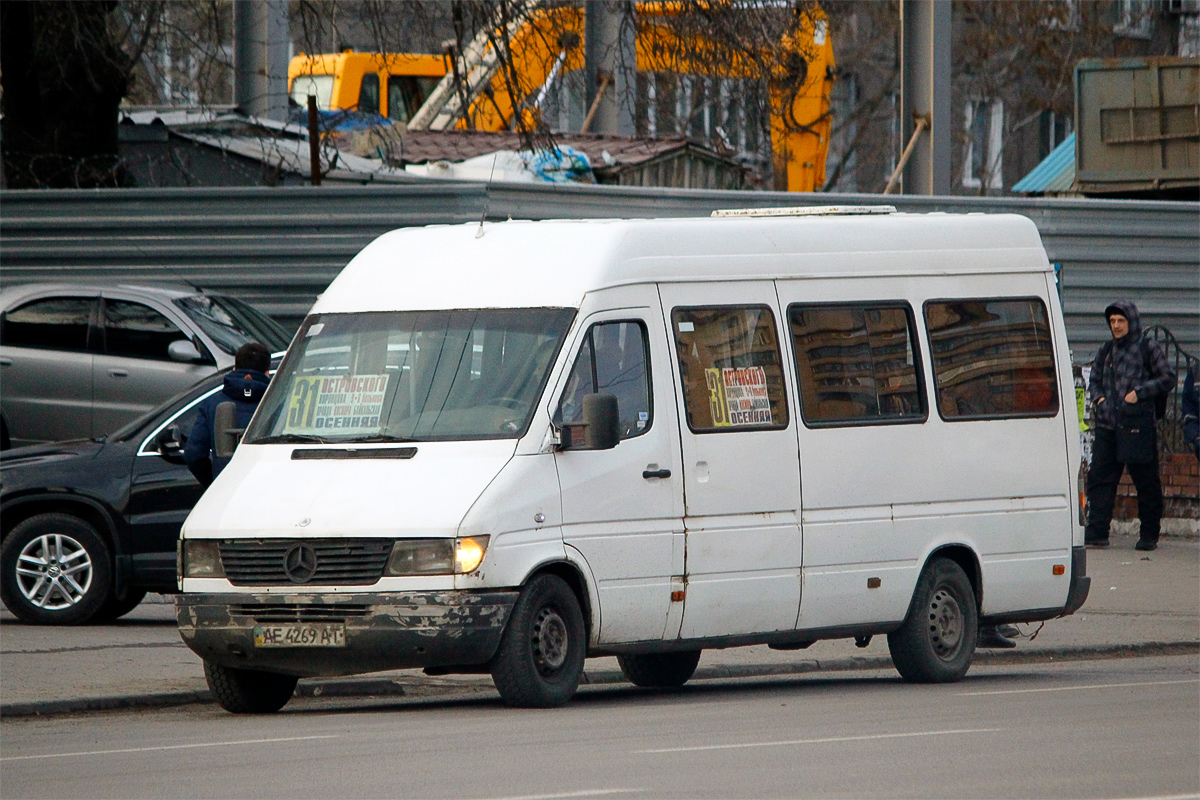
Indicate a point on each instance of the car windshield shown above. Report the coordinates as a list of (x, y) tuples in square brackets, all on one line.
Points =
[(131, 430), (230, 323), (412, 376)]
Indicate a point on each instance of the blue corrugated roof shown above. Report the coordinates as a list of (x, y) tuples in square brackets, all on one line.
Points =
[(1056, 173)]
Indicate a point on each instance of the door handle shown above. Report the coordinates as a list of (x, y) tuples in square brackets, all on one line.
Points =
[(5, 362), (119, 373), (656, 473)]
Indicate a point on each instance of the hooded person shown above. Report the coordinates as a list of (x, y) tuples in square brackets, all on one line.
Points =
[(244, 387), (1128, 372)]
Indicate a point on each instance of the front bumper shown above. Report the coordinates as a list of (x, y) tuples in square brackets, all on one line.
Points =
[(384, 630)]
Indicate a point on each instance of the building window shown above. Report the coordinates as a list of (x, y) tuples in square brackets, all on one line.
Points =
[(983, 162), (1133, 19)]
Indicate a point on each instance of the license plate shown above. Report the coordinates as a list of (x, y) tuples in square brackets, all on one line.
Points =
[(300, 635)]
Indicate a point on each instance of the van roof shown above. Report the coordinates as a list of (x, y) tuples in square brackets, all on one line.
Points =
[(554, 263)]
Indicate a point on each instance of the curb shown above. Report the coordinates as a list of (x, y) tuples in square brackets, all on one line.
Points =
[(377, 687)]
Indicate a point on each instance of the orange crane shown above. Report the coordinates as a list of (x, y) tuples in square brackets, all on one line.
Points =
[(423, 91)]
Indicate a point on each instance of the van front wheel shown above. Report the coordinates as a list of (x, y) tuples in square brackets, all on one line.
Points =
[(659, 670), (937, 640), (246, 691), (540, 658)]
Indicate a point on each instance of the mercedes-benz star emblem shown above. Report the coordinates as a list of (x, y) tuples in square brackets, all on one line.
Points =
[(300, 563)]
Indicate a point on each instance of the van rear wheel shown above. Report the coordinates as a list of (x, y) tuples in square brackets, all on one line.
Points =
[(246, 691), (540, 658), (937, 640), (659, 670)]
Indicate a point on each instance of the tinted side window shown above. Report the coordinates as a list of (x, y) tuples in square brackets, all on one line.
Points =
[(137, 331), (992, 358), (612, 360), (731, 369), (856, 363), (58, 323), (368, 94)]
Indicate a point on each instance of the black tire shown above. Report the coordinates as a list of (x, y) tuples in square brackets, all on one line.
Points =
[(937, 640), (115, 609), (55, 570), (540, 658), (246, 691), (659, 670)]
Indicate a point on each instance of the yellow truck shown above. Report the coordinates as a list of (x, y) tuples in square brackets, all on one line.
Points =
[(549, 45)]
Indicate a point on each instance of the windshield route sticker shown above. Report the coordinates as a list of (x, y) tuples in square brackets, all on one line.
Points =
[(349, 404), (738, 396)]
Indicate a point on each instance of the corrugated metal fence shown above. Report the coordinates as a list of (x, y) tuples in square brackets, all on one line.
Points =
[(280, 247)]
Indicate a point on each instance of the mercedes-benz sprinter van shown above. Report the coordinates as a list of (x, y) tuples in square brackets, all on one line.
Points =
[(504, 448)]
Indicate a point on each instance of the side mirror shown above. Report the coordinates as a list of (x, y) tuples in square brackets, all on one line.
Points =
[(170, 443), (183, 350), (600, 429), (225, 431)]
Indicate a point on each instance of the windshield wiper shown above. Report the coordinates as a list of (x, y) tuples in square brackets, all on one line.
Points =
[(374, 438), (291, 438)]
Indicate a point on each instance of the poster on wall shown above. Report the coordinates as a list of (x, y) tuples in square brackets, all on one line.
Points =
[(738, 396), (348, 404)]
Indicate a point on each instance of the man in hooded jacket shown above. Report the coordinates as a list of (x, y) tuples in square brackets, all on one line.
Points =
[(244, 387), (1126, 371)]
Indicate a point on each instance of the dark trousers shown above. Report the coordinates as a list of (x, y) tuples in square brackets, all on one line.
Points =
[(1103, 477)]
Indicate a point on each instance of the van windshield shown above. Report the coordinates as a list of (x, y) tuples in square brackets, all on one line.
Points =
[(412, 376)]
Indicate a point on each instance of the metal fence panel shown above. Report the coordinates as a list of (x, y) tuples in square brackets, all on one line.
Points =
[(280, 247)]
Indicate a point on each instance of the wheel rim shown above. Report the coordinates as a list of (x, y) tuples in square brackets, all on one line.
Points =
[(549, 641), (54, 572), (946, 623)]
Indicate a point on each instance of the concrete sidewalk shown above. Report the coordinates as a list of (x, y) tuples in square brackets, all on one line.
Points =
[(1140, 604)]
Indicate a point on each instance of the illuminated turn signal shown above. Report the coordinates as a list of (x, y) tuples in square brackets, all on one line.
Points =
[(468, 554)]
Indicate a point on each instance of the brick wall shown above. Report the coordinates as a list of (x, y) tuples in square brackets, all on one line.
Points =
[(1180, 473)]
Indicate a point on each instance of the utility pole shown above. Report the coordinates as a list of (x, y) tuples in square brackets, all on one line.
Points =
[(609, 66), (260, 58), (925, 96)]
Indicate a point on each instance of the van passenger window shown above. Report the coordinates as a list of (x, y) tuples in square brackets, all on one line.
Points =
[(368, 93), (731, 369), (137, 331), (856, 364), (612, 360), (56, 323), (992, 358)]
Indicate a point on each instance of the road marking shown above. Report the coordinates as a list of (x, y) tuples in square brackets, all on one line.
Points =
[(582, 793), (1077, 688), (819, 741), (167, 747)]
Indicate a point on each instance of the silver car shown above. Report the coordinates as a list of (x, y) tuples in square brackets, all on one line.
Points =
[(78, 361)]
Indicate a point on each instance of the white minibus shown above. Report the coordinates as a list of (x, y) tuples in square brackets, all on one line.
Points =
[(504, 448)]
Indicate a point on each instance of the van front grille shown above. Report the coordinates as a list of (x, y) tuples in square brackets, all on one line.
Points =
[(320, 562)]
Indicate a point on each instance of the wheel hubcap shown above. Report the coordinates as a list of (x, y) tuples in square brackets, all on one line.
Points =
[(945, 623), (54, 572), (549, 641)]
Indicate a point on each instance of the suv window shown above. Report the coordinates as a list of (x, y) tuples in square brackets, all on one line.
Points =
[(612, 360), (992, 358), (731, 370), (137, 331), (856, 364), (57, 323)]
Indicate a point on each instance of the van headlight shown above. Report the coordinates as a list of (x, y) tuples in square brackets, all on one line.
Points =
[(202, 559), (435, 556)]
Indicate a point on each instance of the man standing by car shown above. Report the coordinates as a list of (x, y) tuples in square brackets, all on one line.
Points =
[(1128, 375), (244, 387)]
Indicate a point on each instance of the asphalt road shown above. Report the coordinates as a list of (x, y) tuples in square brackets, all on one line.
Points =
[(1115, 728)]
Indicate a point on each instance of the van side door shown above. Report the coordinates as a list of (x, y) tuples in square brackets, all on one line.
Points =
[(622, 508), (740, 464)]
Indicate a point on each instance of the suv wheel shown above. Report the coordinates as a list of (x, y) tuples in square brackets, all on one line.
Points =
[(54, 570)]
